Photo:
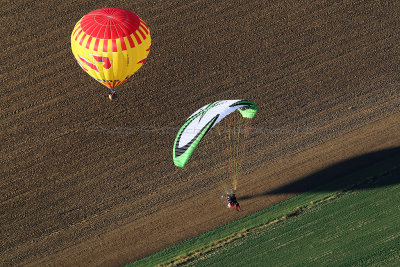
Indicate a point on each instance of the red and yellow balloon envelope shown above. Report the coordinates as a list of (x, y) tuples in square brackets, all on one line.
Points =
[(111, 44)]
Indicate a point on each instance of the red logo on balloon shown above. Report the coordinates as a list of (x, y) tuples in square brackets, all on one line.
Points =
[(105, 60)]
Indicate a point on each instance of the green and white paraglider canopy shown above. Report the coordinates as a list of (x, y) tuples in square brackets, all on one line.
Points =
[(200, 122)]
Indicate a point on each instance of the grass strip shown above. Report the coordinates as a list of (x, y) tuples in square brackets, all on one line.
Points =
[(359, 227), (196, 247)]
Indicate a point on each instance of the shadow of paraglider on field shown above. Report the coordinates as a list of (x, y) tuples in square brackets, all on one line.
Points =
[(372, 166)]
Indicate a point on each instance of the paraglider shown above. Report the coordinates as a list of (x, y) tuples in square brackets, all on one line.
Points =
[(111, 44), (201, 122)]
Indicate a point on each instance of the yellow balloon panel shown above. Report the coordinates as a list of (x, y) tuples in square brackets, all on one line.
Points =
[(111, 61)]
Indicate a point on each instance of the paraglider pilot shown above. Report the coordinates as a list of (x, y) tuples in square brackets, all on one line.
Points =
[(232, 202)]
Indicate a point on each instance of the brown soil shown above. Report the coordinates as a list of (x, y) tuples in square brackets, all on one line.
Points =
[(88, 181)]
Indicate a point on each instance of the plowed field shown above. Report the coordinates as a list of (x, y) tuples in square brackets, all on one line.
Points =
[(91, 182)]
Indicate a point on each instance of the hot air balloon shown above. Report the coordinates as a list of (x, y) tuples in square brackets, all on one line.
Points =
[(111, 44)]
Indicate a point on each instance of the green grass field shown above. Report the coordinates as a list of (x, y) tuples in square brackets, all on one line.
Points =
[(358, 225)]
